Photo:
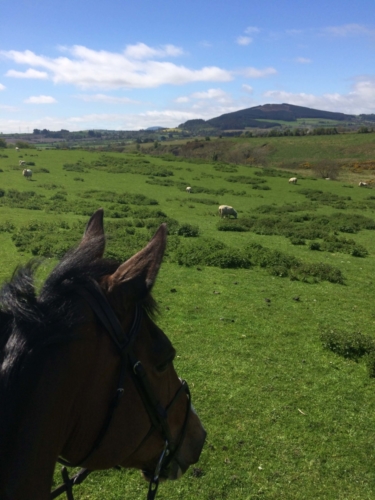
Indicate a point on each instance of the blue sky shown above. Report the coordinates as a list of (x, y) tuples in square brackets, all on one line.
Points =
[(81, 64)]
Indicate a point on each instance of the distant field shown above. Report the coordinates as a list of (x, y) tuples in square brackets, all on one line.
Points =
[(300, 122), (286, 418)]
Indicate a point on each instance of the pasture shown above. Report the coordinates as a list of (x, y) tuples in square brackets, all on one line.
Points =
[(251, 305)]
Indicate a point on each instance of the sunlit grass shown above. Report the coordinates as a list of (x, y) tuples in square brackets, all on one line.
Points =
[(286, 419)]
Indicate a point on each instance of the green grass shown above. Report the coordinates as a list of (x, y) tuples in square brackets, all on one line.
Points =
[(286, 418)]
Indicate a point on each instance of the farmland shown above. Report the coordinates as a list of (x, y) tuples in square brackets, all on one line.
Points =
[(256, 301)]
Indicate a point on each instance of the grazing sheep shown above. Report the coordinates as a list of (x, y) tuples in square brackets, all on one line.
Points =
[(226, 210), (188, 189), (362, 184), (21, 162), (293, 180), (17, 149), (26, 172)]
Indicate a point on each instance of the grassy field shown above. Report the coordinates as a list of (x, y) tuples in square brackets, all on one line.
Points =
[(286, 417)]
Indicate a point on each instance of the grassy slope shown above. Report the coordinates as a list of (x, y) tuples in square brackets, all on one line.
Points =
[(285, 418)]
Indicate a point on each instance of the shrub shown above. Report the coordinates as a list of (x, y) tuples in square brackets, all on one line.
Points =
[(351, 345), (73, 167), (228, 258), (317, 272), (297, 241), (7, 227), (314, 245), (228, 226), (370, 363), (199, 252), (188, 231)]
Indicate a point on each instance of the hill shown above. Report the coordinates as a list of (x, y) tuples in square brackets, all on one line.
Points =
[(273, 113)]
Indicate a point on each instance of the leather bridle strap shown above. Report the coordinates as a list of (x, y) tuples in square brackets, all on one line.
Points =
[(104, 311), (157, 414)]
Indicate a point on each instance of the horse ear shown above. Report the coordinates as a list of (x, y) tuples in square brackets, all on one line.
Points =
[(94, 234), (137, 275)]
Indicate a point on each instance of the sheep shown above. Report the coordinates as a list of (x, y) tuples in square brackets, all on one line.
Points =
[(226, 210), (26, 172), (293, 180), (188, 189)]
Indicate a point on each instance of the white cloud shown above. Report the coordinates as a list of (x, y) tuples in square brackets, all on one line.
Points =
[(86, 68), (302, 60), (210, 94), (182, 99), (361, 99), (41, 99), (348, 30), (11, 109), (2, 87), (106, 99), (257, 73), (143, 51), (244, 40), (30, 73), (251, 29), (201, 99), (247, 88)]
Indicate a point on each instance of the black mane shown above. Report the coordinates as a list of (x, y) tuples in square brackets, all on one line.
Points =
[(50, 316)]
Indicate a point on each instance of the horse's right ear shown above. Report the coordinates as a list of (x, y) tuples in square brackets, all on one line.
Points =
[(137, 275), (94, 234)]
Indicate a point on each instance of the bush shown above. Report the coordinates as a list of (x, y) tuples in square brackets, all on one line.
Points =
[(350, 345), (314, 245), (199, 252), (370, 363), (225, 225), (188, 231), (228, 258), (317, 272), (297, 241)]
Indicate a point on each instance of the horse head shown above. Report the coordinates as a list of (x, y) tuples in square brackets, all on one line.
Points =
[(102, 390)]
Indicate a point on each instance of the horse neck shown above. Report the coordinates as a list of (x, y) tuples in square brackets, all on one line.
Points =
[(30, 431)]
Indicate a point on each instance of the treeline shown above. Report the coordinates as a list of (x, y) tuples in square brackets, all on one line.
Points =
[(302, 131)]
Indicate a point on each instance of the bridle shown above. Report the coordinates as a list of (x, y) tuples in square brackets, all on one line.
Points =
[(157, 413)]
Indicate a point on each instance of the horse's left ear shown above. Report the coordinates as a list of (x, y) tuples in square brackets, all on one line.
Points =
[(137, 275), (94, 234)]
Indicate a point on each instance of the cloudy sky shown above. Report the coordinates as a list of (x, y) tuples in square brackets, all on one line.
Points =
[(131, 64)]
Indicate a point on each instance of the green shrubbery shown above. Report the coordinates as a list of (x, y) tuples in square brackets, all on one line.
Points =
[(302, 227), (217, 254), (188, 230), (351, 345)]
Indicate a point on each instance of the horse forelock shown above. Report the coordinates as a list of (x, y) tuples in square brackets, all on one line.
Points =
[(55, 313)]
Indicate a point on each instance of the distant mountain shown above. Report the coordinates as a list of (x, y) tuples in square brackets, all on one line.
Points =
[(155, 128), (252, 117)]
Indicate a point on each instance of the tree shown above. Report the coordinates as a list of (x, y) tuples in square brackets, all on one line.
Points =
[(326, 169), (363, 130), (3, 143), (24, 145)]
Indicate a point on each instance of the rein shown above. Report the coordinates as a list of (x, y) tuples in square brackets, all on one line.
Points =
[(157, 413)]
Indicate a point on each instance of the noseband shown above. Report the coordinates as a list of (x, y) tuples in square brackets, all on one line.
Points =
[(157, 413)]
